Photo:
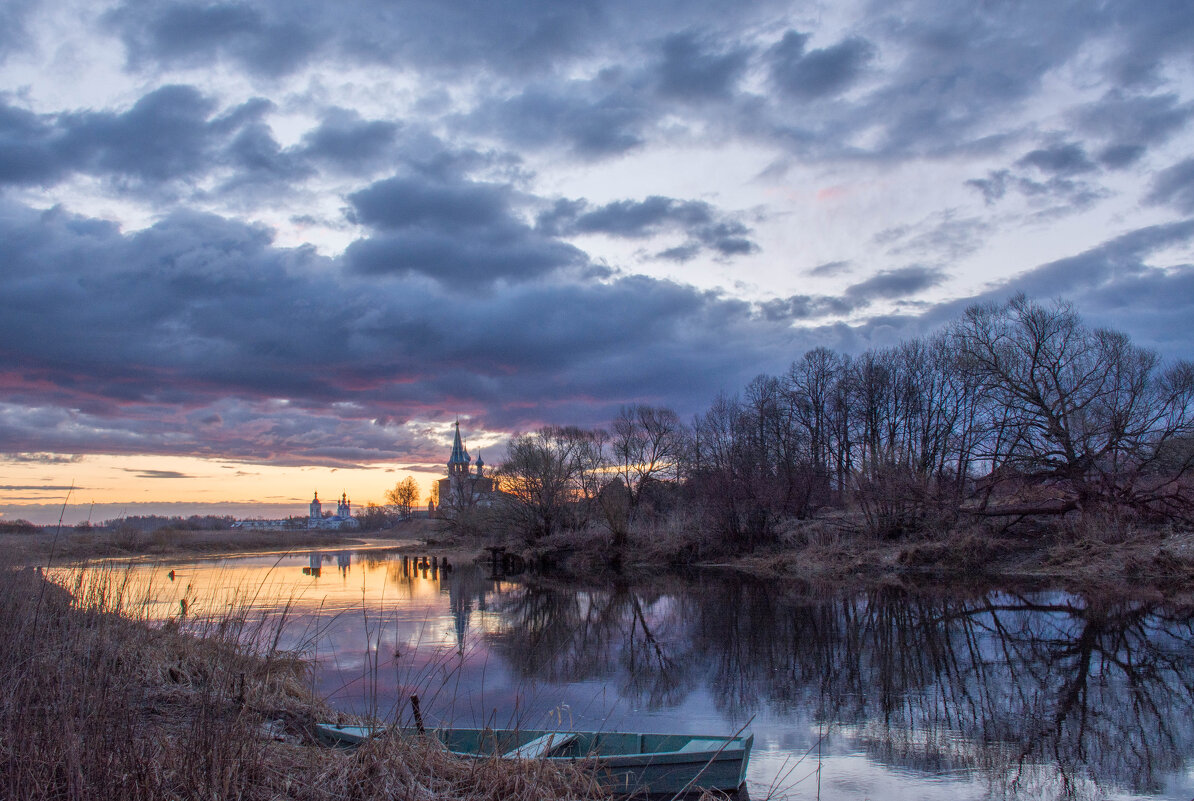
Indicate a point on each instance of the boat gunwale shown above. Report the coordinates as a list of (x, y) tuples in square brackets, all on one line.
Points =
[(721, 747)]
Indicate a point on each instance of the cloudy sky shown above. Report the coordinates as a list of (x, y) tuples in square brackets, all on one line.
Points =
[(253, 250)]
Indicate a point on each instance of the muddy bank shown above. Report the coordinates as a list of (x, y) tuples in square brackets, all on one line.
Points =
[(1146, 561), (1120, 559)]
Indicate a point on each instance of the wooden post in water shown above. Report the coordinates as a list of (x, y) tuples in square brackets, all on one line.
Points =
[(414, 705)]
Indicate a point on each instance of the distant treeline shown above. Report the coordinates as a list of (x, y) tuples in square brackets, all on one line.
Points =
[(147, 523), (138, 523), (1016, 411)]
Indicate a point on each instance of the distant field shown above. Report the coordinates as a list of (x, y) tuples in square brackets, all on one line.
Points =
[(36, 547)]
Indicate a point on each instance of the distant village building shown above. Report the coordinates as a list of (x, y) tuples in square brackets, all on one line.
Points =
[(464, 488)]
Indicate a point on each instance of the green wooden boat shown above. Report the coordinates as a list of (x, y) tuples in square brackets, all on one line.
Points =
[(627, 763)]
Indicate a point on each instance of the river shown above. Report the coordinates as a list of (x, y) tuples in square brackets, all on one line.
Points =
[(850, 695)]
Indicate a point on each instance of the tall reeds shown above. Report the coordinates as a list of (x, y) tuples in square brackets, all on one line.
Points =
[(98, 703)]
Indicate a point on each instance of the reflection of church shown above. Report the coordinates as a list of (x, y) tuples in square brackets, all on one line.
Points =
[(463, 487)]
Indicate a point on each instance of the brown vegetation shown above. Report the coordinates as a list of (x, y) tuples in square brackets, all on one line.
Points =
[(98, 705), (1112, 557)]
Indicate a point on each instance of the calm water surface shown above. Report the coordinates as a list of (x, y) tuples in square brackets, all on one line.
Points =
[(877, 695)]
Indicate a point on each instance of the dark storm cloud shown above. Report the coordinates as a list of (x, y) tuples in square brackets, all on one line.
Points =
[(456, 231), (1119, 156), (156, 473), (1149, 35), (690, 71), (43, 458), (127, 343), (258, 160), (593, 119), (14, 15), (173, 137), (504, 37), (956, 70), (1112, 284), (162, 137), (799, 308), (817, 73), (885, 285), (345, 140), (403, 202), (830, 269), (1101, 269), (1063, 159), (949, 80), (942, 238), (509, 252), (1133, 120), (898, 283), (951, 75), (137, 343), (27, 150), (166, 135), (704, 225), (187, 34), (1174, 186), (1059, 194)]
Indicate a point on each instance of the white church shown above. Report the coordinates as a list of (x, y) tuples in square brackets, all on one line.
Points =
[(342, 520)]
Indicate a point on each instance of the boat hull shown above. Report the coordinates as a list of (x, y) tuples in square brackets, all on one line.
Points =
[(626, 763)]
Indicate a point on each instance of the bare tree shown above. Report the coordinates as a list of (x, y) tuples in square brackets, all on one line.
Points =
[(1079, 408), (646, 443), (403, 497), (546, 480), (810, 385)]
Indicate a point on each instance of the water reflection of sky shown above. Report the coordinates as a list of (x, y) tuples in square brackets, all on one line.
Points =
[(997, 696)]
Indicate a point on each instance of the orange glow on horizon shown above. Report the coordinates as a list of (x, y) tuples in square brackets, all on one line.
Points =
[(197, 482)]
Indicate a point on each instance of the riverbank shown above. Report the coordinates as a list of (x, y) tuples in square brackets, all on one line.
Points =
[(99, 705), (835, 551), (1126, 560), (72, 545)]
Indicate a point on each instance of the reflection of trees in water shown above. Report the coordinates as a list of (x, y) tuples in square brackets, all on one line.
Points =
[(999, 683), (1002, 682), (640, 639)]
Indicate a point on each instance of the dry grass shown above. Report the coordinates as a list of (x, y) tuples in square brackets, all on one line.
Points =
[(1090, 553), (100, 705)]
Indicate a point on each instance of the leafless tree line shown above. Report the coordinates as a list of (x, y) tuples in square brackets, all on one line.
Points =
[(1015, 409)]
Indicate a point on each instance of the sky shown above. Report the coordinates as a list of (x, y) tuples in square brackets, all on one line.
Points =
[(250, 251)]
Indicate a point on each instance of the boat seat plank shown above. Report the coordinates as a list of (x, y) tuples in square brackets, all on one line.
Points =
[(541, 746), (696, 746)]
